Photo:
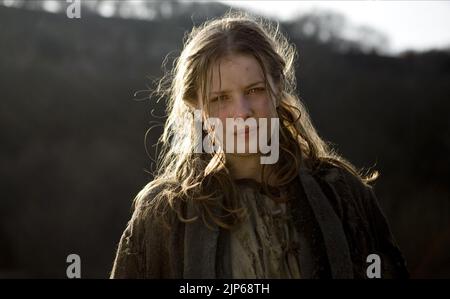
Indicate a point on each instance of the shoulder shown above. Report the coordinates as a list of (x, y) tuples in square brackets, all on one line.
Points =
[(144, 244), (151, 193), (346, 191), (154, 217), (346, 183), (148, 228)]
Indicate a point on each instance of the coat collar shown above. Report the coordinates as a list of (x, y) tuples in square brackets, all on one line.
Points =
[(205, 248), (200, 247), (330, 225)]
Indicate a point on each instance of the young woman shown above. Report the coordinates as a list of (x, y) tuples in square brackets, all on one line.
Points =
[(223, 213)]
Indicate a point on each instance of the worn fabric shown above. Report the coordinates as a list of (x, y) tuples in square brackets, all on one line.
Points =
[(338, 220), (266, 244)]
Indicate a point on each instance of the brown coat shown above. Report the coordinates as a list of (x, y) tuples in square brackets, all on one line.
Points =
[(338, 218)]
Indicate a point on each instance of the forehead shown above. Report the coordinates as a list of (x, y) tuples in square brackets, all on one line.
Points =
[(235, 71)]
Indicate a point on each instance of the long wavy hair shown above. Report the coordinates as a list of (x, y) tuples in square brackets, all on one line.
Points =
[(183, 175)]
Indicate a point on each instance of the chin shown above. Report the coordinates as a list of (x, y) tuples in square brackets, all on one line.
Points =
[(246, 154)]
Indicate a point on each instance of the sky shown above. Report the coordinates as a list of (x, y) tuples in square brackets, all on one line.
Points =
[(408, 25), (415, 25)]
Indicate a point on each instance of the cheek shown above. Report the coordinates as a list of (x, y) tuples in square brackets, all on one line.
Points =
[(218, 110), (222, 113), (265, 108)]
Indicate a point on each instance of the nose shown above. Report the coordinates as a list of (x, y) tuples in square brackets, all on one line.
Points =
[(242, 108)]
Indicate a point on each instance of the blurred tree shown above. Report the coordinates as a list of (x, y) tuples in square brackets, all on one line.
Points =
[(333, 29)]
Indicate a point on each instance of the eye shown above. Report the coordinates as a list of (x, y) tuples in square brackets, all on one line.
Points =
[(218, 98), (255, 90)]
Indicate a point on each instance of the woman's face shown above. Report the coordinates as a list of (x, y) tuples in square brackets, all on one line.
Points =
[(239, 93)]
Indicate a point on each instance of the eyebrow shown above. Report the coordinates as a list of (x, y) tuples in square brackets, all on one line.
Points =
[(227, 91)]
